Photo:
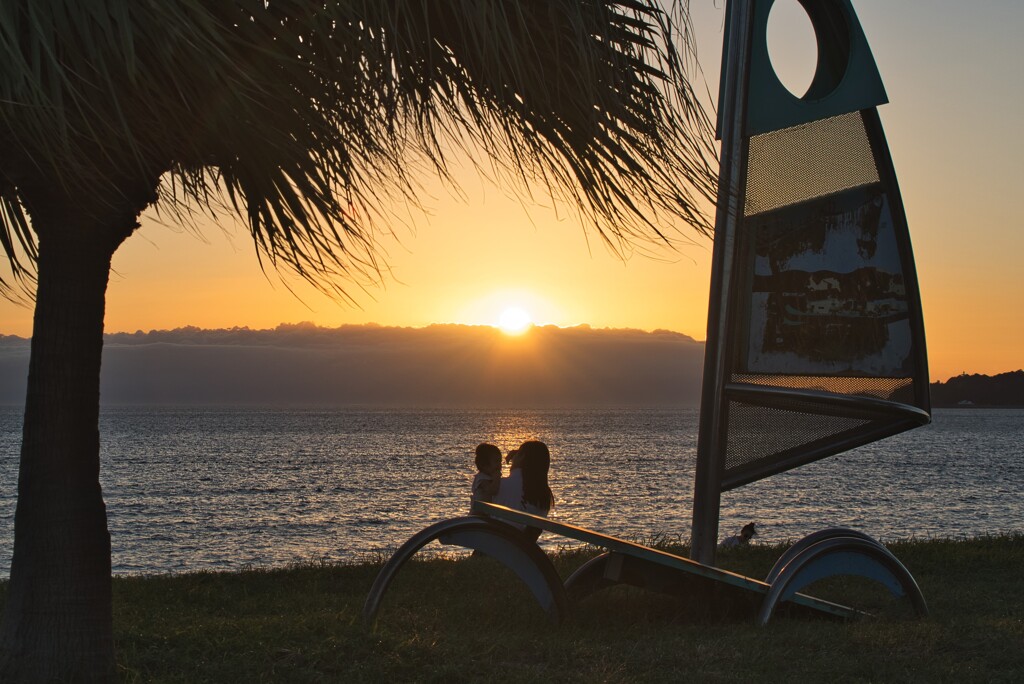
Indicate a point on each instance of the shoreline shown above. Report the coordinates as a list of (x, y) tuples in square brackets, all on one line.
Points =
[(377, 558)]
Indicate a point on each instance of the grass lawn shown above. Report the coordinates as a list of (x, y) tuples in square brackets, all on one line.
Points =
[(470, 620)]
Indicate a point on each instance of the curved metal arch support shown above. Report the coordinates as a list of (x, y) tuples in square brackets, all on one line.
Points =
[(589, 578), (837, 556), (811, 539), (503, 543)]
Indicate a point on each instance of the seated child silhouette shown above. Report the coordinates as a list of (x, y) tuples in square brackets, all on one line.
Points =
[(488, 476)]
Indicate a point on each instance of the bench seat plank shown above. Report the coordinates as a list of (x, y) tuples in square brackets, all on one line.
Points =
[(651, 555)]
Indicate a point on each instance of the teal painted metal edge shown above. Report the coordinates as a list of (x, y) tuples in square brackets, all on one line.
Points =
[(811, 539), (848, 563), (846, 80)]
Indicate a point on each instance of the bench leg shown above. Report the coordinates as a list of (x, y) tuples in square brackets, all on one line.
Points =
[(590, 577), (832, 555), (504, 543)]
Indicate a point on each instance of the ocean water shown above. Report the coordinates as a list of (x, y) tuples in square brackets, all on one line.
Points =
[(201, 489)]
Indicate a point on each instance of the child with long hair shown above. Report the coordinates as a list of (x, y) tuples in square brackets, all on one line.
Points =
[(535, 462)]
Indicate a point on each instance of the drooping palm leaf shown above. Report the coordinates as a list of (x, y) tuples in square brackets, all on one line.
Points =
[(313, 120)]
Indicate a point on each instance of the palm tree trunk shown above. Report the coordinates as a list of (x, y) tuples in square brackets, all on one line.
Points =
[(58, 620)]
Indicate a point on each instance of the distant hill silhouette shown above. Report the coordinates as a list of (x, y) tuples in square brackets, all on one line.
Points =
[(1004, 389), (436, 366), (372, 365)]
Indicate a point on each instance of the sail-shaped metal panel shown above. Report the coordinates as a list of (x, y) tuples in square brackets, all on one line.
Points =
[(815, 333), (826, 336)]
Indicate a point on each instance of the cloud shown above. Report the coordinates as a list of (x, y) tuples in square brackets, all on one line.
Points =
[(436, 366)]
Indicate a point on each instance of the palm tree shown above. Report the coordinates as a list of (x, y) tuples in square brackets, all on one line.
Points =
[(311, 120)]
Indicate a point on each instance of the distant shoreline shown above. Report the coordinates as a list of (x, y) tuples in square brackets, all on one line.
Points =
[(440, 365), (1005, 390), (7, 405), (979, 407)]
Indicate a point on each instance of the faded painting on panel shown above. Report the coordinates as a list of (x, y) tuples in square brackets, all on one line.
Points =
[(827, 295)]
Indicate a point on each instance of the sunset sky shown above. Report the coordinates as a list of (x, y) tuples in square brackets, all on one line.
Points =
[(953, 74)]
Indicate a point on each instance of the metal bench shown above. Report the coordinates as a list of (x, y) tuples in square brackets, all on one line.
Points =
[(490, 529)]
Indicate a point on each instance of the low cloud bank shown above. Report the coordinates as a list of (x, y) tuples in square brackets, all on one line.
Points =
[(436, 366)]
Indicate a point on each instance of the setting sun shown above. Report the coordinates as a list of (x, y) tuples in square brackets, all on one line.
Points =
[(514, 321)]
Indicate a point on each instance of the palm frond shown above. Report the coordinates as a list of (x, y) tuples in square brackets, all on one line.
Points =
[(315, 121)]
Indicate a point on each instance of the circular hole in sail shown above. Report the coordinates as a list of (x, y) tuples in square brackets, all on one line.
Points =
[(792, 46)]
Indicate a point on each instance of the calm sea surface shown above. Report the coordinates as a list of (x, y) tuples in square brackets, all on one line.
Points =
[(191, 489)]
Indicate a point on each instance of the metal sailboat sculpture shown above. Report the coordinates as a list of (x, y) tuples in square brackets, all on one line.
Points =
[(815, 335), (815, 339)]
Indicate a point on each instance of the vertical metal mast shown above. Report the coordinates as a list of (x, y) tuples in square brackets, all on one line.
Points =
[(711, 439)]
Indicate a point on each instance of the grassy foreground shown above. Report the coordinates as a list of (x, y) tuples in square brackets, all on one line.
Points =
[(470, 620)]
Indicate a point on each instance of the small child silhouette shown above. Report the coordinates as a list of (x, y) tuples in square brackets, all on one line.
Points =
[(488, 476)]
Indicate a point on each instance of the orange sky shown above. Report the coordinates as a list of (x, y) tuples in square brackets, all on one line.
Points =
[(952, 74)]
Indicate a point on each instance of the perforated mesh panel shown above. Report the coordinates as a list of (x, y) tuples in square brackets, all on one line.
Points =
[(759, 433), (826, 281), (883, 388), (813, 160)]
